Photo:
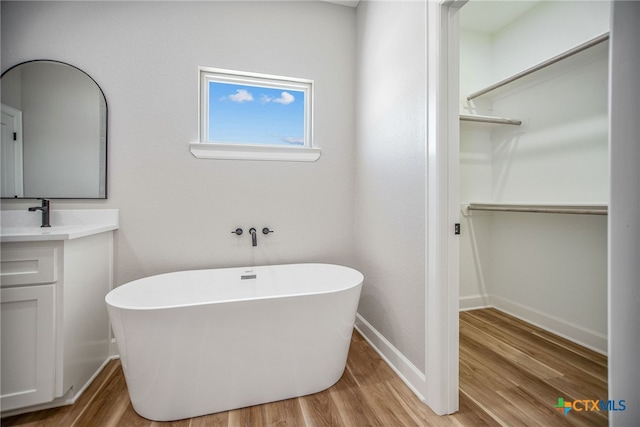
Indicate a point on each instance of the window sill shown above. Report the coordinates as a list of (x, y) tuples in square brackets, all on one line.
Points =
[(203, 150)]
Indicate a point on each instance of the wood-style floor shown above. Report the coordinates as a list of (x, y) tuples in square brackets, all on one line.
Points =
[(511, 374), (516, 372)]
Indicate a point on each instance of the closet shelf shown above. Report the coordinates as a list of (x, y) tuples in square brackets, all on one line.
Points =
[(584, 46), (579, 209), (489, 119)]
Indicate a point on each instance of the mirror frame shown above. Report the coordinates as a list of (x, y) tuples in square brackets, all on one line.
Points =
[(106, 135)]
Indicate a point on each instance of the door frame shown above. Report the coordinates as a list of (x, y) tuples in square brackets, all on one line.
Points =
[(443, 207), (16, 117)]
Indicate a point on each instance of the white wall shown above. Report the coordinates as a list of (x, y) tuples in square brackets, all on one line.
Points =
[(545, 31), (390, 174), (476, 167), (624, 221), (548, 269), (176, 211)]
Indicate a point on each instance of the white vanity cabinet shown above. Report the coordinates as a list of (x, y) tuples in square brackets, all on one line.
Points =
[(55, 326), (27, 301), (28, 351)]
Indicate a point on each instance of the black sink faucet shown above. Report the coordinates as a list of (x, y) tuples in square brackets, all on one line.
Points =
[(45, 212)]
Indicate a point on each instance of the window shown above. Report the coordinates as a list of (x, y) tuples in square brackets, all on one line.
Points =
[(254, 117)]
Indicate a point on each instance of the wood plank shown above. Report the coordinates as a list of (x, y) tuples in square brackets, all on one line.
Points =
[(366, 366), (318, 410), (247, 417), (387, 408), (221, 419), (484, 336), (349, 399), (541, 344), (130, 418), (471, 414), (585, 365), (576, 348), (284, 413), (177, 423), (485, 369), (107, 409), (528, 405), (353, 408), (506, 351), (416, 409), (511, 374), (489, 395)]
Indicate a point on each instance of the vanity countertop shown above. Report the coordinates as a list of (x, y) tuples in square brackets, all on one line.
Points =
[(24, 226)]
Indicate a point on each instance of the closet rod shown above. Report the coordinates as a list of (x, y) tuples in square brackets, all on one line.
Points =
[(582, 210), (489, 119), (590, 43)]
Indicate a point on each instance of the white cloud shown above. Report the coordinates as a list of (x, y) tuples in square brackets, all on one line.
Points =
[(295, 141), (284, 99), (241, 95)]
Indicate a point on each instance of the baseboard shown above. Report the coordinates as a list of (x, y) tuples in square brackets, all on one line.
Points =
[(473, 302), (407, 371), (576, 333)]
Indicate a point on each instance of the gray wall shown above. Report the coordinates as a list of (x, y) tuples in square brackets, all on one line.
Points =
[(624, 226), (391, 174), (176, 211)]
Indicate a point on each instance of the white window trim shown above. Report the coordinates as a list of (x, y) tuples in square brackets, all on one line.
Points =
[(209, 150), (238, 151)]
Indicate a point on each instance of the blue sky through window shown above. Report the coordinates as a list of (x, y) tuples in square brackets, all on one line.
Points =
[(255, 115)]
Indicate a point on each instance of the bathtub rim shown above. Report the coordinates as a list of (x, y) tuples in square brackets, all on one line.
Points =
[(110, 304)]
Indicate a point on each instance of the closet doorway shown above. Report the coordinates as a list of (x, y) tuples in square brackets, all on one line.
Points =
[(534, 189)]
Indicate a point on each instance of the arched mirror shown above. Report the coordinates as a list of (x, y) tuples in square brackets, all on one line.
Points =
[(54, 133)]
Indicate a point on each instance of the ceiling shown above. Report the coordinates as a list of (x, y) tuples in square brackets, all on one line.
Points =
[(350, 3), (485, 16), (491, 16)]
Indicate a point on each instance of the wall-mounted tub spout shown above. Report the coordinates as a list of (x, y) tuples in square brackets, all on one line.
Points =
[(254, 237)]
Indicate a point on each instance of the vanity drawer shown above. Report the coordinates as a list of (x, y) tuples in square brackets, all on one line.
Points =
[(29, 264)]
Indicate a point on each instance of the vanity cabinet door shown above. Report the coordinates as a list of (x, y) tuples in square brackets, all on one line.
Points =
[(28, 345)]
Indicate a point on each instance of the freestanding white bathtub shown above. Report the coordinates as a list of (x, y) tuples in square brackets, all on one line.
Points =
[(198, 342)]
